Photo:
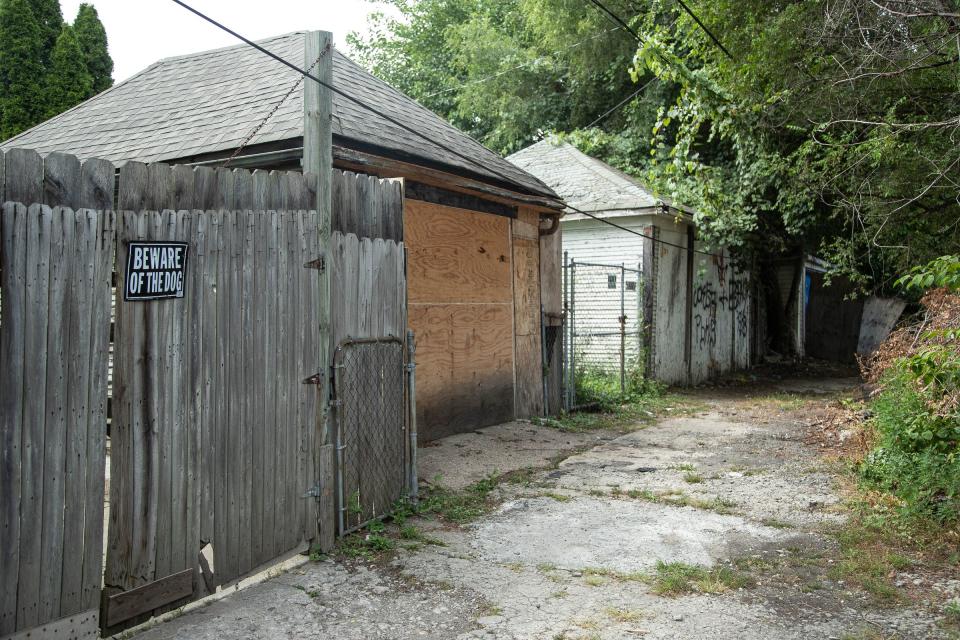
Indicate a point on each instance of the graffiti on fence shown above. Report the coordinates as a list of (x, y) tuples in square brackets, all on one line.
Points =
[(736, 300), (705, 301), (734, 296)]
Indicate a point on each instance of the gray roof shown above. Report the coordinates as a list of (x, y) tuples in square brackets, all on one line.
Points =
[(584, 182), (208, 102)]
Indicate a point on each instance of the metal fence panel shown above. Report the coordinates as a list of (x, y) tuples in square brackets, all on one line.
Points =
[(604, 328), (371, 444)]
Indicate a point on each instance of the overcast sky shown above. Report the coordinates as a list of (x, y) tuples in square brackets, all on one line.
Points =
[(141, 32)]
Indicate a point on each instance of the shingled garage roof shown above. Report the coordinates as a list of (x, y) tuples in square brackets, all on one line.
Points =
[(208, 102), (584, 182)]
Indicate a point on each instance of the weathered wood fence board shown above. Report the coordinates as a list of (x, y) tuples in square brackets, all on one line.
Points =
[(58, 180), (369, 278), (363, 205), (367, 206), (55, 266), (203, 451)]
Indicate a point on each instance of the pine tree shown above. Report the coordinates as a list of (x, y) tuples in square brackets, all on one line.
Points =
[(68, 81), (93, 41), (50, 18), (21, 68)]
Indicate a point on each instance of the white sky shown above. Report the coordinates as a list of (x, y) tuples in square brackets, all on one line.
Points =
[(140, 32)]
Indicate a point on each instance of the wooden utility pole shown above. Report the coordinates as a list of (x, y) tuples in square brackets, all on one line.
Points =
[(318, 163)]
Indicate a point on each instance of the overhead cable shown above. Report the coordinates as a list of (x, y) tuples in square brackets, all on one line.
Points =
[(409, 129), (716, 40)]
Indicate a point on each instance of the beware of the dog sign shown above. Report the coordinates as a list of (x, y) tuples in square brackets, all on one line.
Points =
[(155, 270)]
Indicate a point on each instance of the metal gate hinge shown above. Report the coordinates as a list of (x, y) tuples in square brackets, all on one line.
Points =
[(313, 492), (320, 264), (316, 378)]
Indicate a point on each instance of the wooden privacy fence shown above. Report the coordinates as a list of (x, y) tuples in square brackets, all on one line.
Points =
[(363, 205), (55, 269), (218, 461), (214, 432)]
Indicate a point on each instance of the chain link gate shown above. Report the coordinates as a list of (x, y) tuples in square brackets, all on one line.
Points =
[(369, 401), (604, 323)]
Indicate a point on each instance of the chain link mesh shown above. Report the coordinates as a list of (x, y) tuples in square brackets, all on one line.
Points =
[(604, 320), (370, 408), (599, 296)]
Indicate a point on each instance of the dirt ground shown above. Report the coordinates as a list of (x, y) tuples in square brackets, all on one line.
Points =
[(731, 493)]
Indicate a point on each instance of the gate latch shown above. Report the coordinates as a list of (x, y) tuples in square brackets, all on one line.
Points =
[(316, 378), (313, 492), (320, 263)]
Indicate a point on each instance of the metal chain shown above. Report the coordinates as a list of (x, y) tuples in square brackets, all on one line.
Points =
[(273, 111)]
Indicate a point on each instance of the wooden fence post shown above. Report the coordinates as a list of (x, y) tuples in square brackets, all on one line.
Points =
[(318, 160)]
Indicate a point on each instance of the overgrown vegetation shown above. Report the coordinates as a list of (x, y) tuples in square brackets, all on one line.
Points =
[(672, 497), (869, 558), (819, 127), (462, 506), (916, 414), (596, 387), (457, 507)]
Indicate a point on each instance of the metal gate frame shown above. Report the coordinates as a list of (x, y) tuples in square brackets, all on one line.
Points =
[(341, 414), (570, 334)]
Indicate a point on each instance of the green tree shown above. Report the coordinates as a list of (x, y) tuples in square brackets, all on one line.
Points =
[(50, 18), (829, 128), (21, 68), (505, 71), (68, 81), (93, 41)]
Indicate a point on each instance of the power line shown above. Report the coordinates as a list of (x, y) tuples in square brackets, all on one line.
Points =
[(617, 20), (342, 93), (704, 27), (390, 119), (621, 103), (637, 233)]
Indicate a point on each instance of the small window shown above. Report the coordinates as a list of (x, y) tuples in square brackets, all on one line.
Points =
[(611, 282), (631, 286)]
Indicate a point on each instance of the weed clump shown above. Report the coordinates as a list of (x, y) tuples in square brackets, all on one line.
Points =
[(460, 507), (679, 578), (600, 404)]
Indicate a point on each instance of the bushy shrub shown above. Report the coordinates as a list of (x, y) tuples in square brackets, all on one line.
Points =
[(916, 457), (597, 388), (916, 414)]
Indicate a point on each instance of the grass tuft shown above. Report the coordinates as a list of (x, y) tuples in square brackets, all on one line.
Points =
[(623, 615), (679, 578)]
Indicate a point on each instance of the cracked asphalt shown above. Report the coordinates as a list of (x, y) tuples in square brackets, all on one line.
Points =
[(570, 551)]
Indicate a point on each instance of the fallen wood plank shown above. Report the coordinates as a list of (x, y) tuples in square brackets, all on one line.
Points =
[(129, 604)]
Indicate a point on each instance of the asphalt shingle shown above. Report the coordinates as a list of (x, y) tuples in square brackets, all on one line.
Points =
[(581, 181), (210, 101)]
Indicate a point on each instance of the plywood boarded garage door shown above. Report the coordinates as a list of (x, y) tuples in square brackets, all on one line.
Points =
[(460, 304)]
